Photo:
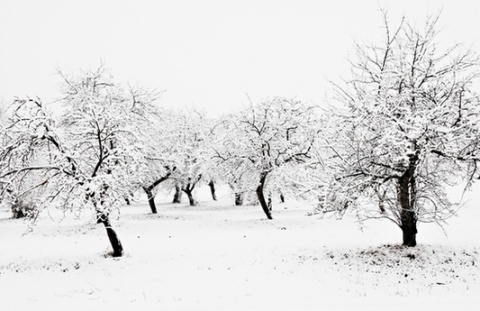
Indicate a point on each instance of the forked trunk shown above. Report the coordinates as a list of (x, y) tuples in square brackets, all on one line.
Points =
[(188, 189), (100, 214), (177, 197), (112, 236), (211, 184), (239, 198), (151, 200), (149, 191), (267, 207)]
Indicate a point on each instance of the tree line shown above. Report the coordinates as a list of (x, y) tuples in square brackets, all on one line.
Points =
[(392, 137)]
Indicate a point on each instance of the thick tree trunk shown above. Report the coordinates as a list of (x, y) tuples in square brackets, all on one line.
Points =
[(151, 200), (112, 236), (409, 229), (267, 207), (211, 184), (177, 197), (406, 199), (407, 215), (239, 198)]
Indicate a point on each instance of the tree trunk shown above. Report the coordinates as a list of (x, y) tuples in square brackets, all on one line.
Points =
[(406, 199), (151, 200), (267, 207), (282, 198), (407, 215), (188, 189), (149, 191), (409, 229), (112, 236), (177, 197), (191, 200), (239, 198), (211, 184)]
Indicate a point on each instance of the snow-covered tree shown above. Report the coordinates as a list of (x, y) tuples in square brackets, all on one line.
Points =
[(261, 140), (406, 128), (90, 155), (160, 154), (189, 130)]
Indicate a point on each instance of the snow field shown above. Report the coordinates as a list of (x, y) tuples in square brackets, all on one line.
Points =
[(220, 257)]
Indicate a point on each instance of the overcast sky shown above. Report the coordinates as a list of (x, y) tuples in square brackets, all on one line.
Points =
[(207, 54)]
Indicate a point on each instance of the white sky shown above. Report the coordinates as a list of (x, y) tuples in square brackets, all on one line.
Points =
[(207, 54)]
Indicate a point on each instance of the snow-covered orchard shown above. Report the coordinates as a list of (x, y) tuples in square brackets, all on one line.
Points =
[(393, 152)]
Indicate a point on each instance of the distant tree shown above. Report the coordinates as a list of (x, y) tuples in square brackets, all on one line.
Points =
[(213, 190), (92, 154), (264, 138), (160, 154), (408, 128), (189, 131), (233, 173), (177, 196), (238, 183)]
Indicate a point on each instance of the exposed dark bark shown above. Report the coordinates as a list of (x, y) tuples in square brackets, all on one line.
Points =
[(151, 200), (19, 208), (112, 236), (239, 198), (191, 199), (177, 197), (188, 189), (18, 213), (267, 207), (149, 191), (99, 216), (406, 198), (211, 184), (282, 198)]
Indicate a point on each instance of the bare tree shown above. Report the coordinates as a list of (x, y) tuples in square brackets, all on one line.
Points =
[(189, 131), (92, 155), (263, 138), (408, 128)]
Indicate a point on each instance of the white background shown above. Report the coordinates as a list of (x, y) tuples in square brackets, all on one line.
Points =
[(207, 54)]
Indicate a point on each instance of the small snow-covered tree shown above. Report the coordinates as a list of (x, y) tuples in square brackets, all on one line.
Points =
[(261, 139), (407, 127), (92, 154), (189, 131), (160, 156)]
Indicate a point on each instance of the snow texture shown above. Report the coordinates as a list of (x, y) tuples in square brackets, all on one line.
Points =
[(217, 256)]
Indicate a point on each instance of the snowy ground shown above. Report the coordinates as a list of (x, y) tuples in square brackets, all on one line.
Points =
[(220, 257)]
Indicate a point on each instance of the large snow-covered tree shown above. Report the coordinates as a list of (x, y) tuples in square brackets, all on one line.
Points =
[(262, 138), (406, 128), (91, 154)]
